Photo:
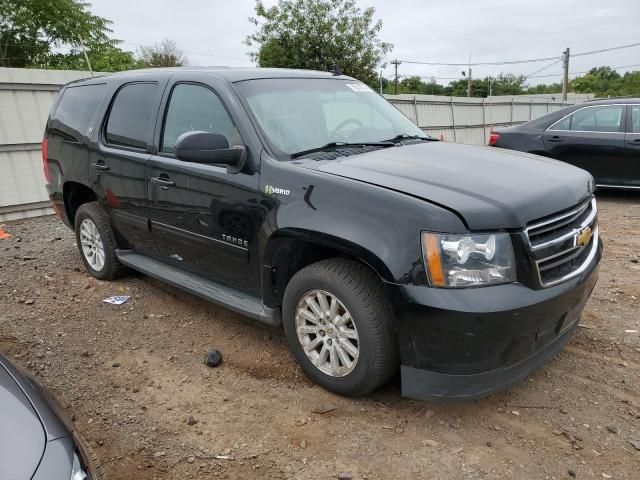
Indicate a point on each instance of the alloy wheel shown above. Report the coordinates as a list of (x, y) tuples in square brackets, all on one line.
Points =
[(327, 333)]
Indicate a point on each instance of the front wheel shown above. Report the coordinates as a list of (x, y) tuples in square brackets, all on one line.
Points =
[(339, 325)]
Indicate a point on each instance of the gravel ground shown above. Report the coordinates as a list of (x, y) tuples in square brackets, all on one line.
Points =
[(134, 379)]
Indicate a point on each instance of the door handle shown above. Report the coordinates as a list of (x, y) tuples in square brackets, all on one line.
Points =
[(164, 181), (555, 138), (101, 167), (635, 142)]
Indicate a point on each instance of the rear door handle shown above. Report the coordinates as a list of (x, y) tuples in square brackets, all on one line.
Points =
[(164, 181), (101, 167), (555, 138), (635, 142)]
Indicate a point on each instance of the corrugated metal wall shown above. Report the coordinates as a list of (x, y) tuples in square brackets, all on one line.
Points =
[(469, 120), (26, 97)]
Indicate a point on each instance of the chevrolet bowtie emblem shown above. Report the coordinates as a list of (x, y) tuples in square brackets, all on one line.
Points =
[(584, 236)]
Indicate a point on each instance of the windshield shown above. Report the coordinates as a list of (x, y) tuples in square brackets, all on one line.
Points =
[(302, 114)]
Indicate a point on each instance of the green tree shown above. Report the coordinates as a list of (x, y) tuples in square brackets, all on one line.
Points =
[(503, 84), (32, 31), (544, 88), (630, 84), (601, 81), (316, 34), (414, 85), (163, 54)]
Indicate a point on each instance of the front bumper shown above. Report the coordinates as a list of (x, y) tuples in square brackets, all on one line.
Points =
[(466, 344)]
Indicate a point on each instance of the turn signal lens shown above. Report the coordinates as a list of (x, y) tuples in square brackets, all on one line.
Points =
[(433, 256)]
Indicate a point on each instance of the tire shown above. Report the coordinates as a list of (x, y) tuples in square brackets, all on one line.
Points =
[(359, 294), (90, 220), (89, 457)]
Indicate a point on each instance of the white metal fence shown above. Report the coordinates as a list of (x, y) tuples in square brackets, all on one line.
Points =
[(26, 97), (470, 120)]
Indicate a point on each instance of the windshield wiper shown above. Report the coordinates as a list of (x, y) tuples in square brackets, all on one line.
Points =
[(404, 136), (335, 145)]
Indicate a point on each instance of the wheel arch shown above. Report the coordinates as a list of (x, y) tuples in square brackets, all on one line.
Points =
[(74, 195), (289, 250)]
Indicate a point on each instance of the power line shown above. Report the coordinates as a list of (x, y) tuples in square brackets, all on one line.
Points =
[(592, 52), (429, 77), (514, 62), (510, 62), (531, 75)]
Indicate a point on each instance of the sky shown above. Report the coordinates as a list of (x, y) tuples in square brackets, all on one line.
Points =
[(212, 32)]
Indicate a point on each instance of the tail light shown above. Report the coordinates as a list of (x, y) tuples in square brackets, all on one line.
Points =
[(493, 138), (45, 159)]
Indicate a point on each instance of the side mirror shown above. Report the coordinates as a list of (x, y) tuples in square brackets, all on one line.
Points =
[(209, 148)]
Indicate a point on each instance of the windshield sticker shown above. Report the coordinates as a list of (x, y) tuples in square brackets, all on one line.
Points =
[(359, 87)]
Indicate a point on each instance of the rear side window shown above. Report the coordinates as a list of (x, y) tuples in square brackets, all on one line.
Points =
[(635, 119), (131, 114), (75, 111), (564, 124)]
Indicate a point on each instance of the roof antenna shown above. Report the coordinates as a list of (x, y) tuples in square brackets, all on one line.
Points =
[(335, 69)]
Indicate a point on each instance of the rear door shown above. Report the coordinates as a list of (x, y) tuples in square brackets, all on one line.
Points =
[(119, 166), (591, 138), (632, 147), (203, 217)]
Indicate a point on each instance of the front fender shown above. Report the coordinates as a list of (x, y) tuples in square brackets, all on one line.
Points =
[(380, 226)]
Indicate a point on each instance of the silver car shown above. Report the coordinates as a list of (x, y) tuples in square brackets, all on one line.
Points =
[(37, 440)]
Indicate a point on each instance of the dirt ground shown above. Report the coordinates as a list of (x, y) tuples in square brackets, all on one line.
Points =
[(133, 375)]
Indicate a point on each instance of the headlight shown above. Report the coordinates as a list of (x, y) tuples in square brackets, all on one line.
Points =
[(468, 260), (77, 472)]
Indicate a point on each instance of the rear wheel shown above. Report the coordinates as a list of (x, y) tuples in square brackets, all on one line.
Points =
[(339, 325), (96, 242)]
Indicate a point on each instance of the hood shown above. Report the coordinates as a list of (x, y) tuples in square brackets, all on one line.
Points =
[(489, 188), (22, 437)]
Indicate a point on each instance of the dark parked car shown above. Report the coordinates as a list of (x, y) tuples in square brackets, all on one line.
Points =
[(603, 137), (37, 439), (305, 200)]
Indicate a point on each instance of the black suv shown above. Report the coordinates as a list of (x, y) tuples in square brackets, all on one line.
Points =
[(304, 199)]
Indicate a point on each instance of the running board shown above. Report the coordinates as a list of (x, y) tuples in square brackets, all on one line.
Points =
[(201, 287)]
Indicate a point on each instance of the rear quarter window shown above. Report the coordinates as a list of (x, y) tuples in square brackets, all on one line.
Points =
[(131, 115), (76, 110)]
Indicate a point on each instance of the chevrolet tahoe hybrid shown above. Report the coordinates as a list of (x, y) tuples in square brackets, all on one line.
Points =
[(305, 200)]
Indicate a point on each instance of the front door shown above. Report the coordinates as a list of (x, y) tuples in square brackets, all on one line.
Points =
[(118, 166), (204, 218), (591, 138), (632, 148)]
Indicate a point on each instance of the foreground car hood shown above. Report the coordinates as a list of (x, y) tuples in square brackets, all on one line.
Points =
[(22, 437), (488, 187)]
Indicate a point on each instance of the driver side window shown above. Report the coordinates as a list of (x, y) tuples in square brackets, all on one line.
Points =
[(196, 108)]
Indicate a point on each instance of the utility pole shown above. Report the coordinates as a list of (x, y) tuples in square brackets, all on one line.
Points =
[(565, 77), (395, 63), (469, 78)]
